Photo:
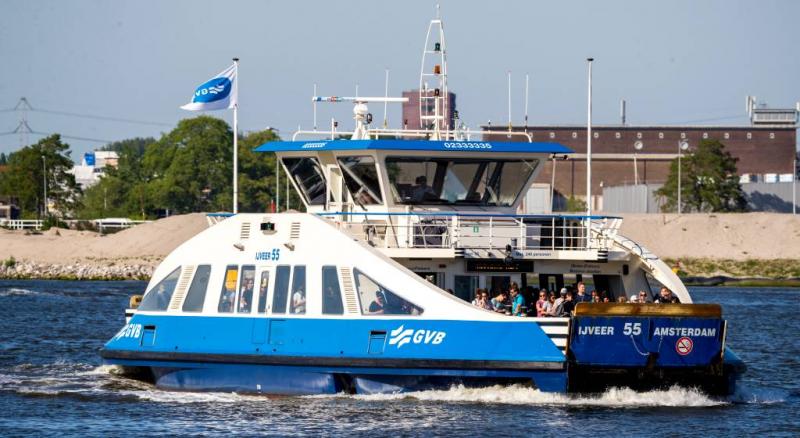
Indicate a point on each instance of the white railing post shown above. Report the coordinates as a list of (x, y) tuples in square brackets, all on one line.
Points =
[(491, 232)]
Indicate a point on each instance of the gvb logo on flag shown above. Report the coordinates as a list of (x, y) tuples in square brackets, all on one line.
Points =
[(217, 93)]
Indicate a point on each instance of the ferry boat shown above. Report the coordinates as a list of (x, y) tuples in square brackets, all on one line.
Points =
[(369, 290)]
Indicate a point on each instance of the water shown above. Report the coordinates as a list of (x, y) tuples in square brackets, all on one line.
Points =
[(51, 382)]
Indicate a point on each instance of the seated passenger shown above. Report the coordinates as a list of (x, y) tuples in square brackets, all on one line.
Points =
[(548, 306), (378, 306), (478, 296), (622, 299), (595, 297), (331, 302), (541, 302), (642, 297), (499, 303), (226, 302), (299, 301), (246, 296), (665, 296)]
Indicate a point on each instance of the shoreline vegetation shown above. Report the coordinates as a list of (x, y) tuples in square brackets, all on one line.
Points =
[(694, 272)]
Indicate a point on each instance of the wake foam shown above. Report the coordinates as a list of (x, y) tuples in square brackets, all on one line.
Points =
[(15, 291), (519, 395), (760, 396)]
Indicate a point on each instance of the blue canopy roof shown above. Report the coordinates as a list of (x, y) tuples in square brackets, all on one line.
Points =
[(413, 145)]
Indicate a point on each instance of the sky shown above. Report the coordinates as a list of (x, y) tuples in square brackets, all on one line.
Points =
[(682, 61)]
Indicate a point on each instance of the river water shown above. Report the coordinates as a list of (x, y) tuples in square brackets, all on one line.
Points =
[(52, 382)]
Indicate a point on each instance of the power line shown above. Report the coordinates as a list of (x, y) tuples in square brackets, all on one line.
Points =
[(95, 117), (73, 137)]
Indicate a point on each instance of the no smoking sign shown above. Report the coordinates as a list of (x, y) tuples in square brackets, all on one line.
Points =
[(684, 346)]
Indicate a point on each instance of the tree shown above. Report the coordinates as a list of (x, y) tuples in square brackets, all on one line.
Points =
[(24, 177), (709, 181), (3, 159)]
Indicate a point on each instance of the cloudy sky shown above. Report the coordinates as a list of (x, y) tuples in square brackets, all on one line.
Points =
[(683, 61)]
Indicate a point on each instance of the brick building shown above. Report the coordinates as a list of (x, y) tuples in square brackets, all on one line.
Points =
[(411, 113), (764, 152)]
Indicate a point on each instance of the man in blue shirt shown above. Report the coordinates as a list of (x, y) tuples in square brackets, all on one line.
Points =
[(582, 297), (517, 301)]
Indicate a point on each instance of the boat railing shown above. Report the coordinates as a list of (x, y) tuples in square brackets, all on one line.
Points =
[(480, 231)]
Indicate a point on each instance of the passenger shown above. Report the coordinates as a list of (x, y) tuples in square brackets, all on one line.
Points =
[(622, 299), (421, 190), (246, 295), (378, 306), (606, 299), (540, 304), (299, 301), (262, 293), (595, 297), (228, 297), (642, 297), (634, 299), (581, 297), (485, 304), (567, 306), (332, 302), (478, 296), (554, 311), (162, 298), (664, 296), (675, 300), (517, 301), (499, 303), (547, 308)]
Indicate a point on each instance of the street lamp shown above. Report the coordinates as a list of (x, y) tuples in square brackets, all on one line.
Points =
[(44, 180), (637, 146), (683, 145)]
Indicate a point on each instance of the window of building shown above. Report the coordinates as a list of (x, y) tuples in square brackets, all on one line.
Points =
[(331, 292), (361, 178), (749, 135), (281, 291), (377, 300), (158, 298), (263, 289), (660, 135), (618, 135), (309, 177), (458, 181), (298, 300), (197, 290), (227, 297), (245, 300)]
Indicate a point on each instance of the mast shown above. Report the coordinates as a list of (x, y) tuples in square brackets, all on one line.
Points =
[(434, 105)]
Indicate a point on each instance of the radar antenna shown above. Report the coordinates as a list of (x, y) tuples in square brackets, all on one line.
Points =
[(434, 99)]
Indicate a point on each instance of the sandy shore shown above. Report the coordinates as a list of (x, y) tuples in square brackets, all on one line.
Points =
[(134, 252)]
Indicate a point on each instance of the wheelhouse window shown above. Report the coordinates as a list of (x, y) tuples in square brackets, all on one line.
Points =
[(158, 298), (197, 290), (227, 296), (458, 181), (281, 289), (378, 300), (246, 289), (331, 292), (309, 177), (361, 178), (298, 301)]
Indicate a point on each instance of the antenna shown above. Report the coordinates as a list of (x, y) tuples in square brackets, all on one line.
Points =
[(622, 111), (509, 101), (526, 102), (386, 102), (314, 104)]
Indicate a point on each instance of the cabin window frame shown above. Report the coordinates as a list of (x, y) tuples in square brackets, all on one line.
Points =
[(319, 200), (337, 283), (347, 174), (365, 306), (152, 291), (200, 293)]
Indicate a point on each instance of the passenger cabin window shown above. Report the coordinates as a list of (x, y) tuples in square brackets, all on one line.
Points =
[(157, 298), (361, 177), (308, 176), (197, 290), (263, 288), (377, 300), (281, 289), (245, 299), (298, 303), (228, 295), (331, 292), (458, 181)]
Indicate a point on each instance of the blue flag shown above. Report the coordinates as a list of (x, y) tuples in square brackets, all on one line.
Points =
[(219, 92)]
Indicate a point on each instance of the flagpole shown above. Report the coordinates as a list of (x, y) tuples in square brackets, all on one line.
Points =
[(236, 139)]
